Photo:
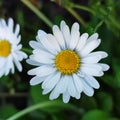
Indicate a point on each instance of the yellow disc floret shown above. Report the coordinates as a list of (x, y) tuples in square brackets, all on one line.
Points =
[(67, 62), (5, 48)]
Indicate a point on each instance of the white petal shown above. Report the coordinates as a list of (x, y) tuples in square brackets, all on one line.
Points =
[(78, 96), (90, 46), (46, 91), (36, 80), (3, 23), (87, 89), (17, 29), (54, 94), (10, 24), (71, 88), (66, 33), (82, 41), (42, 71), (48, 45), (32, 62), (43, 57), (54, 42), (62, 24), (51, 81), (41, 33), (92, 69), (8, 65), (62, 85), (93, 37), (59, 36), (78, 83), (105, 67), (35, 45), (17, 63), (74, 36), (94, 57), (92, 81), (66, 97)]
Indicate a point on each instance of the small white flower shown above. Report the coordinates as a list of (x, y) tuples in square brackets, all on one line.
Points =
[(65, 62), (10, 52)]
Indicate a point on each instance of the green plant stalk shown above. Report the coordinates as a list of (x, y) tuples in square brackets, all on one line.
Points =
[(82, 8), (37, 12), (26, 50), (72, 12), (43, 105), (98, 25)]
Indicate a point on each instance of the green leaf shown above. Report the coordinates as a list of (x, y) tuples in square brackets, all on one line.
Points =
[(95, 115), (36, 94), (105, 101), (7, 111)]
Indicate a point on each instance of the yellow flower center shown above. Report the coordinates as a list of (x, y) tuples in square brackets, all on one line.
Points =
[(5, 48), (67, 62)]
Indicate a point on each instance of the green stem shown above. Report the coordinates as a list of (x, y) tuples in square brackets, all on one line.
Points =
[(82, 8), (72, 12), (37, 12), (98, 25), (26, 50), (43, 105)]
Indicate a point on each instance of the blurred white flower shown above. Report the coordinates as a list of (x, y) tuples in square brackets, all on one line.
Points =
[(65, 62), (10, 49)]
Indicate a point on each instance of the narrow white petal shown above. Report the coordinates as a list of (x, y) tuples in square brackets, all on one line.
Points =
[(50, 82), (93, 37), (62, 85), (89, 91), (46, 91), (54, 42), (17, 29), (66, 33), (43, 57), (54, 94), (71, 87), (48, 45), (92, 81), (35, 45), (36, 80), (59, 36), (78, 96), (74, 36), (82, 41), (10, 24), (94, 57), (32, 62), (66, 97), (62, 24), (42, 71), (92, 69), (78, 83), (41, 33), (3, 23), (105, 67), (90, 46), (17, 63)]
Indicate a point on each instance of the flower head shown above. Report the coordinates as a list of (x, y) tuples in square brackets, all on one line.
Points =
[(10, 52), (65, 63)]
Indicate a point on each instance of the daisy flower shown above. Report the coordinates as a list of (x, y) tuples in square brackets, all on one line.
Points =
[(10, 49), (65, 63)]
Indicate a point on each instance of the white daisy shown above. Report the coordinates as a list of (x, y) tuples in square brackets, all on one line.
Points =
[(10, 49), (65, 63)]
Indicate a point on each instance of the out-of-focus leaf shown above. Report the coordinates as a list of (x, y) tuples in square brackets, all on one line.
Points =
[(105, 101), (7, 111), (36, 94), (96, 115)]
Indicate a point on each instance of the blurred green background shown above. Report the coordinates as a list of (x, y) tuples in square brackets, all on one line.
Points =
[(101, 16)]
